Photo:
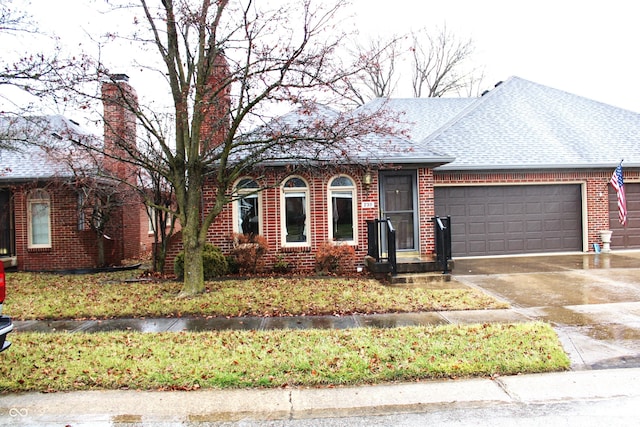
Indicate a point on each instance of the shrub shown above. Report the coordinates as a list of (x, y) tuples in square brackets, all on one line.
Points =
[(332, 258), (281, 266), (214, 262), (248, 250)]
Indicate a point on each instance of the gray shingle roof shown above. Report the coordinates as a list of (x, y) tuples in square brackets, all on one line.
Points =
[(33, 136), (318, 123), (421, 117), (521, 124)]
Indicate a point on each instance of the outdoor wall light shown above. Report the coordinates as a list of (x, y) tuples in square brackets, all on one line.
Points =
[(366, 179)]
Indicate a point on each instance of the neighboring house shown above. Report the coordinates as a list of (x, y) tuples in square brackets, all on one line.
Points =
[(522, 169), (43, 216)]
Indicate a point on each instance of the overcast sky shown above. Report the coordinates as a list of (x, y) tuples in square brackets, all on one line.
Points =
[(587, 47)]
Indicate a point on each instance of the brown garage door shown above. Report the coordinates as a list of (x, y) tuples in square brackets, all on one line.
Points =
[(625, 237), (496, 220)]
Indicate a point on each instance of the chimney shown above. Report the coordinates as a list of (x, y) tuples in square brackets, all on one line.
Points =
[(215, 108), (120, 102)]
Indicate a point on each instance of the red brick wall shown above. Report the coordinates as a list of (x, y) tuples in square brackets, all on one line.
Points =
[(70, 248), (303, 258)]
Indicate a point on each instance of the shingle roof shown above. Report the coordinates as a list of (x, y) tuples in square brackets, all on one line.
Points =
[(421, 117), (318, 123), (31, 160), (521, 124)]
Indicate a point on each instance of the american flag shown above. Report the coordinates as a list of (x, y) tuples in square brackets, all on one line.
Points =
[(618, 184)]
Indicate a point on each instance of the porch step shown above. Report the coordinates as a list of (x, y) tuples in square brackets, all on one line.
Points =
[(418, 279), (420, 265), (406, 265)]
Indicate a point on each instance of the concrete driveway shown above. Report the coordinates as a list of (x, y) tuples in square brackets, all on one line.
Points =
[(592, 300)]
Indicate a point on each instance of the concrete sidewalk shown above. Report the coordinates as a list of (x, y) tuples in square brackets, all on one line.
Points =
[(181, 408)]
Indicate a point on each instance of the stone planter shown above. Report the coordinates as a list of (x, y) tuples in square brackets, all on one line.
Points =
[(605, 236)]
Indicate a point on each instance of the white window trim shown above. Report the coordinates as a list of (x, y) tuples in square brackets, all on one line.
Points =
[(354, 209), (234, 210), (283, 213), (151, 219), (38, 197)]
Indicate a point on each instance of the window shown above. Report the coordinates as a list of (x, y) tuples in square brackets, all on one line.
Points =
[(295, 203), (39, 212), (246, 209), (81, 214), (342, 210)]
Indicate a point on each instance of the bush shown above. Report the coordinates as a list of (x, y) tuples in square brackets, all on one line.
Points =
[(332, 258), (214, 261), (281, 266), (248, 250)]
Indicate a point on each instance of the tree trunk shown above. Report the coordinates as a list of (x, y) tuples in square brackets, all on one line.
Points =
[(193, 246), (100, 247)]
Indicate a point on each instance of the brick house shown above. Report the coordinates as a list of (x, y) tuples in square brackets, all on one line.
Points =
[(43, 225), (523, 169)]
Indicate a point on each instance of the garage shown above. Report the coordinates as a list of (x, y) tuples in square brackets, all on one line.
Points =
[(512, 219), (625, 237)]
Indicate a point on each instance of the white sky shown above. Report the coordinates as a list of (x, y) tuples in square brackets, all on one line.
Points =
[(587, 47)]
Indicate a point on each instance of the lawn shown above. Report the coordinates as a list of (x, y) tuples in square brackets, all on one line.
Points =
[(224, 359), (100, 296), (275, 358)]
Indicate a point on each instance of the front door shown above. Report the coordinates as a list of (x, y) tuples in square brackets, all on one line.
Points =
[(6, 224), (398, 202)]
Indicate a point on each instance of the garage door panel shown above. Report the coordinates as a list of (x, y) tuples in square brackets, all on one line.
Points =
[(495, 209), (514, 227), (534, 226), (517, 219), (625, 237), (551, 207), (534, 244), (496, 246), (496, 227), (534, 208), (515, 246), (478, 246), (515, 209), (476, 209)]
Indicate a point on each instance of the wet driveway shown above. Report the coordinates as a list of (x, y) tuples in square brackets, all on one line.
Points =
[(592, 300)]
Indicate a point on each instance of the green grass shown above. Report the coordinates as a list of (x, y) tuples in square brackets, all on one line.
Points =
[(223, 359), (50, 296)]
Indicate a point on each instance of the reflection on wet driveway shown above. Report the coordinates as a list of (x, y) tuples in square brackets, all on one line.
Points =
[(592, 300)]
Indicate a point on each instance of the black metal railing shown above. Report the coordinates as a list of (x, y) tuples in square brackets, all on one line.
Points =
[(442, 233), (382, 242)]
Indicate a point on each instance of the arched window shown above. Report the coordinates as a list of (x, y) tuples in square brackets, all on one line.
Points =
[(39, 225), (342, 210), (247, 208), (294, 212)]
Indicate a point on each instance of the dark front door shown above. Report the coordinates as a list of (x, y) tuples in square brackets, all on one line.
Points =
[(6, 222), (398, 202)]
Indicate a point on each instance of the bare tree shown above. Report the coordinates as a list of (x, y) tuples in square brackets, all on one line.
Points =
[(229, 67), (438, 63), (379, 73)]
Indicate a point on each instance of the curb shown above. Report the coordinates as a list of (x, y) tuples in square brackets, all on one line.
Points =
[(300, 403)]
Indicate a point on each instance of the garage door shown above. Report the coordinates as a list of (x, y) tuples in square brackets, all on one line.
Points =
[(496, 220), (625, 237)]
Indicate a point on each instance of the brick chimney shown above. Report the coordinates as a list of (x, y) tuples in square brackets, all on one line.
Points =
[(216, 105), (119, 101)]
